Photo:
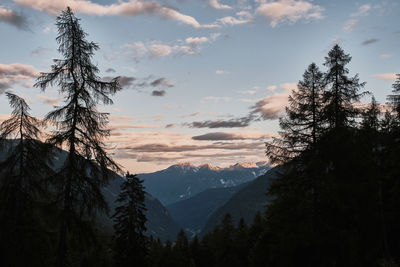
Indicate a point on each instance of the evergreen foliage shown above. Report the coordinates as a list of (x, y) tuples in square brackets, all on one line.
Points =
[(342, 91), (129, 218), (304, 123), (394, 99), (80, 128), (23, 191)]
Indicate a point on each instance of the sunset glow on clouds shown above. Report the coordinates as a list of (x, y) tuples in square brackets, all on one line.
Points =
[(203, 81)]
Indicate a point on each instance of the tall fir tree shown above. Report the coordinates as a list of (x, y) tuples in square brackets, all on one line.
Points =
[(80, 128), (129, 224), (342, 91), (24, 168), (303, 123)]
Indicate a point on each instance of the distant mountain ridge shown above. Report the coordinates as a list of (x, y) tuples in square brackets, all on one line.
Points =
[(184, 180)]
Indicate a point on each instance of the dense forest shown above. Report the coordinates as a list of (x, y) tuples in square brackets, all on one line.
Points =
[(336, 199)]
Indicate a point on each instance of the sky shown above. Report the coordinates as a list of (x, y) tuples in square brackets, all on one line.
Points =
[(204, 81)]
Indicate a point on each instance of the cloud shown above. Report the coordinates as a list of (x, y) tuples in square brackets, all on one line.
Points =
[(385, 56), (243, 17), (288, 10), (131, 8), (129, 82), (40, 51), (155, 49), (121, 118), (159, 147), (215, 4), (190, 115), (165, 146), (215, 99), (13, 18), (49, 100), (160, 50), (16, 73), (158, 93), (386, 76), (350, 25), (214, 36), (224, 136), (269, 108), (110, 70), (171, 125), (248, 92), (161, 82), (120, 127), (135, 51), (370, 41), (221, 72), (271, 88), (362, 11), (232, 123), (273, 107), (124, 81), (46, 29), (195, 41)]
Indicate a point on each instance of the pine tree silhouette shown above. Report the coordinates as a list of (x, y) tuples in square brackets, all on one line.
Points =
[(129, 224), (23, 172), (303, 123), (80, 127), (341, 91)]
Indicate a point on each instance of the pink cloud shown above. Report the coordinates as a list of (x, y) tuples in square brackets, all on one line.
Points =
[(288, 10), (386, 76), (131, 8)]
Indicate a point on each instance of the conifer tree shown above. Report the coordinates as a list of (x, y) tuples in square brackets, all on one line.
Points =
[(23, 171), (341, 91), (370, 117), (181, 249), (129, 224), (394, 98), (303, 123), (80, 128)]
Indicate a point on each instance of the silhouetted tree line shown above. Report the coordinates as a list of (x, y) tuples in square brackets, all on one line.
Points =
[(227, 245), (337, 202), (336, 198)]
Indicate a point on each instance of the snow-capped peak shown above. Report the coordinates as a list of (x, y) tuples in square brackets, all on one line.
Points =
[(184, 166), (245, 165), (208, 166)]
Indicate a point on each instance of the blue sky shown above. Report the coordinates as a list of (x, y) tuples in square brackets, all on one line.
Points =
[(205, 81)]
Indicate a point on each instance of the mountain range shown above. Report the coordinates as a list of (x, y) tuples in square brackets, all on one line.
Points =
[(196, 197), (183, 181)]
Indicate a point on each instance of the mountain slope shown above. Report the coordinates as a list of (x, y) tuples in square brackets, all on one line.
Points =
[(182, 181), (193, 213), (245, 203)]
